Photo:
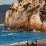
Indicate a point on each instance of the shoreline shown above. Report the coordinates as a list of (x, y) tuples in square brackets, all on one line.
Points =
[(39, 43)]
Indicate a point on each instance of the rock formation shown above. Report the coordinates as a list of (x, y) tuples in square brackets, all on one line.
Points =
[(26, 15)]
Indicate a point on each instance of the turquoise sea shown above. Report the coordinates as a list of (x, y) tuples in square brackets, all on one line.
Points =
[(8, 37)]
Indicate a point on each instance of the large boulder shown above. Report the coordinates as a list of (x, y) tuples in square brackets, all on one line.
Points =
[(25, 15)]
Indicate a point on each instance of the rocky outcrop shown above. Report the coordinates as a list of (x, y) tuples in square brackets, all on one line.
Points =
[(26, 15)]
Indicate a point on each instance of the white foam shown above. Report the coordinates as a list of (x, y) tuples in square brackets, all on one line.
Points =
[(35, 31), (44, 39), (38, 40), (8, 28), (41, 40), (4, 31), (7, 34), (10, 34)]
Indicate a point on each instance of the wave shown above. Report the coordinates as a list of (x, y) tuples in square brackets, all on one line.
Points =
[(41, 40), (8, 34), (3, 35), (18, 43), (23, 42), (4, 31), (44, 39)]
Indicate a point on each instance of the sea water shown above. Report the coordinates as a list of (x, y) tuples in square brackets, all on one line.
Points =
[(8, 37)]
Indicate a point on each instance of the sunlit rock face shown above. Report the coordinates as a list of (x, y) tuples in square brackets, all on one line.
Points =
[(24, 15)]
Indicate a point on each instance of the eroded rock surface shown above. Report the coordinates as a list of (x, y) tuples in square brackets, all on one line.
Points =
[(26, 15)]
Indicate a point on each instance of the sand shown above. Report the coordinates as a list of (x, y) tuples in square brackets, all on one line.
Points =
[(39, 43)]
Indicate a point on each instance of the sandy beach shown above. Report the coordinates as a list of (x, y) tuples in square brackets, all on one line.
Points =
[(39, 43)]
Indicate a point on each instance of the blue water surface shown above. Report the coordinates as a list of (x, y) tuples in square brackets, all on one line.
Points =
[(8, 37)]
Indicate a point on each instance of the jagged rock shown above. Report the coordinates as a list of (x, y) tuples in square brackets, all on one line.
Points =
[(25, 15)]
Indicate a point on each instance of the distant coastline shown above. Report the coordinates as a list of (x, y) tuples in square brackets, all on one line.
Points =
[(1, 24)]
